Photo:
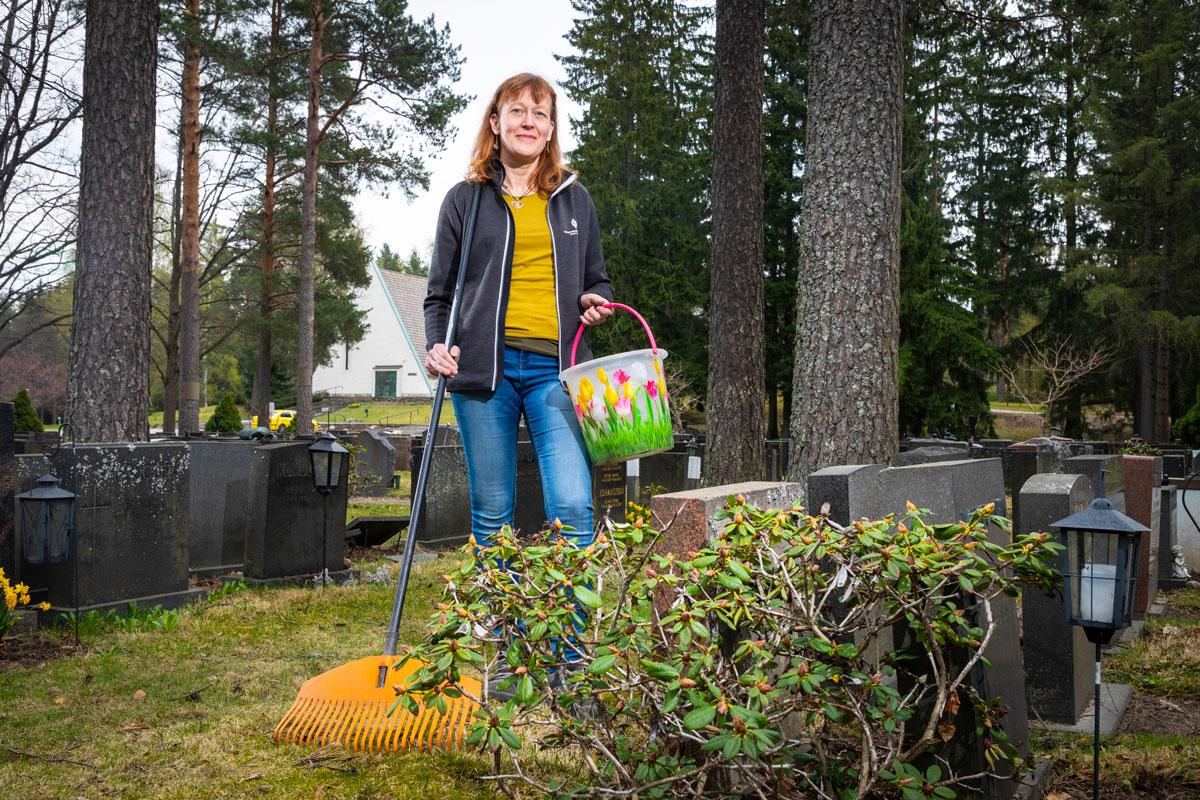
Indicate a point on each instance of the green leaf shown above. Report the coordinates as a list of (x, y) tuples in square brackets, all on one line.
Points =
[(699, 717), (525, 689), (510, 738), (659, 671), (737, 569), (587, 596), (602, 664)]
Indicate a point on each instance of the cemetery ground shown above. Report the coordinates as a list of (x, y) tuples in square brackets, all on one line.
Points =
[(182, 704)]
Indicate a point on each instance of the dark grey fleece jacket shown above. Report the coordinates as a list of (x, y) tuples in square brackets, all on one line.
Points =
[(578, 270)]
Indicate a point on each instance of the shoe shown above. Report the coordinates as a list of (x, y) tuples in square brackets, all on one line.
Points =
[(494, 692)]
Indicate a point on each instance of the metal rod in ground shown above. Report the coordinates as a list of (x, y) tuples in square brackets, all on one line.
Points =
[(1096, 734)]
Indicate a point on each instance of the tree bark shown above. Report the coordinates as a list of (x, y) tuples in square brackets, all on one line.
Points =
[(1143, 411), (308, 232), (734, 448), (189, 287), (260, 396), (171, 346), (108, 394), (1162, 389), (845, 388)]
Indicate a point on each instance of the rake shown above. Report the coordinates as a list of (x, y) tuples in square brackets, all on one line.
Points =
[(349, 704)]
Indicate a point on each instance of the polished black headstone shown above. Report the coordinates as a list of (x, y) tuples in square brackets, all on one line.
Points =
[(221, 510)]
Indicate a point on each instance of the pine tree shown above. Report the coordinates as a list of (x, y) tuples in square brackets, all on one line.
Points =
[(226, 418), (25, 419), (643, 75), (845, 404)]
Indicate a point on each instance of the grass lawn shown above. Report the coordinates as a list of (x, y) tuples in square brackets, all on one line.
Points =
[(214, 688), (385, 413), (156, 418)]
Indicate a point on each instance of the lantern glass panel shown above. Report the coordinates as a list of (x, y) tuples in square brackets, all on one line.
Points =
[(61, 516), (33, 545), (320, 464), (335, 469), (1099, 573)]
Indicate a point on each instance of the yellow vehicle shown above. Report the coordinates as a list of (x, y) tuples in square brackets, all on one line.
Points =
[(280, 420)]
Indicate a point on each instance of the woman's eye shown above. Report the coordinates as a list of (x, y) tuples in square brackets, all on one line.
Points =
[(541, 115)]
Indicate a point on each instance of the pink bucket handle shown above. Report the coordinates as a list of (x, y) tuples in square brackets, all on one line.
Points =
[(623, 307)]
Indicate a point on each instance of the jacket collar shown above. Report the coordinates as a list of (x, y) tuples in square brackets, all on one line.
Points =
[(497, 179)]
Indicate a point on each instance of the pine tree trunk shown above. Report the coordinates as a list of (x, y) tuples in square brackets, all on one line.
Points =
[(109, 387), (845, 406), (171, 376), (1162, 390), (734, 448), (308, 230), (1143, 411), (189, 288), (260, 396)]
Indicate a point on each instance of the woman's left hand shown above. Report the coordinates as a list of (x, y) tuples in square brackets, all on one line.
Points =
[(594, 312)]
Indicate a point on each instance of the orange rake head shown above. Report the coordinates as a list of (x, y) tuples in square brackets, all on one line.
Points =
[(345, 705)]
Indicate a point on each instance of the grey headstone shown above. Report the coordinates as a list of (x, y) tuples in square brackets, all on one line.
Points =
[(131, 525), (295, 531), (1175, 465), (1186, 534), (929, 454), (1090, 466), (1058, 657), (775, 459), (376, 463), (951, 491), (917, 443), (221, 512), (668, 470), (1168, 509), (8, 486)]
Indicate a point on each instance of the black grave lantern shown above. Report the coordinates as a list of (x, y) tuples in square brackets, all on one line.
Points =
[(47, 519), (1099, 568), (326, 455)]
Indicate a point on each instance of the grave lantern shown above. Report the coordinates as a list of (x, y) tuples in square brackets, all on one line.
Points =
[(326, 455), (47, 518), (1099, 568), (1099, 573)]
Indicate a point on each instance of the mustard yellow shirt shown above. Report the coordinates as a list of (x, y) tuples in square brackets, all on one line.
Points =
[(532, 307)]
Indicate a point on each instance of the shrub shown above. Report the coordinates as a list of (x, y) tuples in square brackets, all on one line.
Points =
[(25, 419), (742, 667), (1187, 427), (226, 418)]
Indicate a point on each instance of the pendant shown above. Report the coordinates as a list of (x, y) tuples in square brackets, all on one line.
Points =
[(517, 204)]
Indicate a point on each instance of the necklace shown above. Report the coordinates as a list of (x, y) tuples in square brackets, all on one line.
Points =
[(516, 201)]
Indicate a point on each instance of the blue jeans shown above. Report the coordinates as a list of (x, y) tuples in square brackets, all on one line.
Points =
[(488, 423)]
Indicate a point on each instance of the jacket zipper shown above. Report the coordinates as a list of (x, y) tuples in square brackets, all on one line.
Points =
[(554, 260)]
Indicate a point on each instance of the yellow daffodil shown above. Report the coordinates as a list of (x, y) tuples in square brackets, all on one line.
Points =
[(44, 606)]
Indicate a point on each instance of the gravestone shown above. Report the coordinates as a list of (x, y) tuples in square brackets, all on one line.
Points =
[(929, 454), (402, 446), (667, 470), (1058, 658), (1168, 508), (375, 463), (1143, 479), (1187, 535), (446, 518), (221, 510), (951, 490), (691, 514), (8, 487), (295, 533), (1175, 464), (775, 459), (1090, 466), (132, 515)]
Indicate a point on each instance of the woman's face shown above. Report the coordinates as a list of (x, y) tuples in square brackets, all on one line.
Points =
[(524, 127)]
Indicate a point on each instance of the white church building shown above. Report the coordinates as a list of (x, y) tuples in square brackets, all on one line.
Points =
[(389, 361)]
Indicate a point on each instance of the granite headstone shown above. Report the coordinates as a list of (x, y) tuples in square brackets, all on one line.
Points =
[(1143, 479), (375, 463), (221, 512)]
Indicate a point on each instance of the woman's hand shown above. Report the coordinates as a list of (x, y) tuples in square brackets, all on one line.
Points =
[(440, 361), (593, 311)]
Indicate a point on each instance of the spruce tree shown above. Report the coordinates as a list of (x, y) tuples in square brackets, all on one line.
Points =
[(226, 418), (644, 77), (25, 418)]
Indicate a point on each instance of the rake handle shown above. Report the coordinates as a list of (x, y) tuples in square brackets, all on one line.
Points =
[(410, 545)]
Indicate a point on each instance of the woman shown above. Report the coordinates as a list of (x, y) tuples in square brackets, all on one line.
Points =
[(535, 273)]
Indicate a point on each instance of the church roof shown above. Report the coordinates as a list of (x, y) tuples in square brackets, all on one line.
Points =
[(408, 297)]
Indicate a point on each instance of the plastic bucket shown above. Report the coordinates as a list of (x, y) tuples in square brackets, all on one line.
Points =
[(621, 400)]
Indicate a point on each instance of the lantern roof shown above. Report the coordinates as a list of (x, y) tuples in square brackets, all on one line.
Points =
[(327, 442), (47, 489), (1101, 517)]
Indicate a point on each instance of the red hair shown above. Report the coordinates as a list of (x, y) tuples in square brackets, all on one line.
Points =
[(549, 170)]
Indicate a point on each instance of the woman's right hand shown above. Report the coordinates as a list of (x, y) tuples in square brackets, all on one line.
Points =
[(440, 361)]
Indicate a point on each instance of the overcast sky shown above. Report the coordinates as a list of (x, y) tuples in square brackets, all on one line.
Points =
[(498, 38)]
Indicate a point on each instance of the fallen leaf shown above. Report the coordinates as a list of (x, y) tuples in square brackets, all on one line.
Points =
[(133, 726), (139, 695), (61, 700), (946, 731), (952, 703), (1058, 796)]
